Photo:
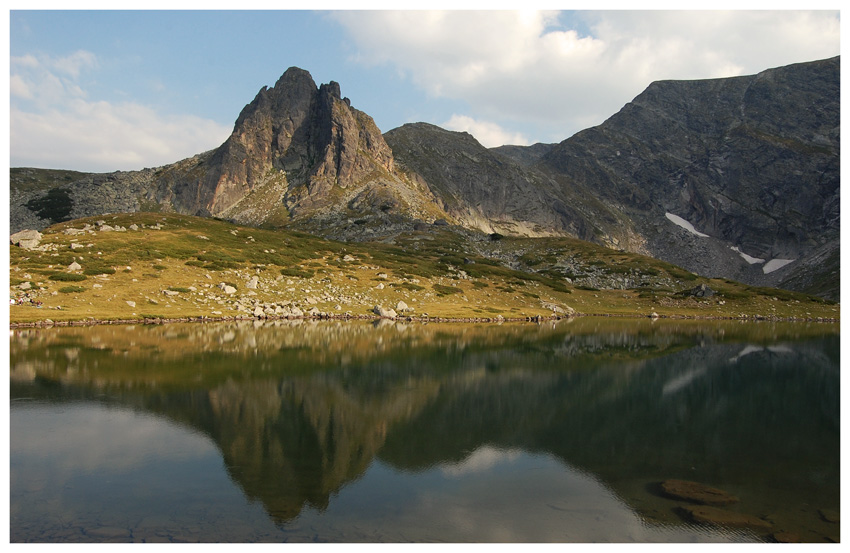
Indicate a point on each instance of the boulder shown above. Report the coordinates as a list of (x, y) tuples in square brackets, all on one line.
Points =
[(253, 283), (696, 492), (26, 239), (701, 291), (401, 307), (384, 313), (226, 288), (74, 266)]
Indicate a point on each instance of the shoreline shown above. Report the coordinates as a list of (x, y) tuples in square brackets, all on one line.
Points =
[(46, 323)]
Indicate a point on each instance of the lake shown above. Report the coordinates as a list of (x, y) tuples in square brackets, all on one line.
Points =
[(300, 431)]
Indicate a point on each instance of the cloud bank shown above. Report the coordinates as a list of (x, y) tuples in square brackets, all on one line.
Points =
[(513, 68)]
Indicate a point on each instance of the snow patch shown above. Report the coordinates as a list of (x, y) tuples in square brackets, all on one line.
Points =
[(775, 264), (684, 224), (748, 258)]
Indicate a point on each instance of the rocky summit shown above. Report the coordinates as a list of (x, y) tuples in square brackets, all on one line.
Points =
[(736, 178)]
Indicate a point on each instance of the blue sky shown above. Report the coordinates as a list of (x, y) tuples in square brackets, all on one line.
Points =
[(123, 90)]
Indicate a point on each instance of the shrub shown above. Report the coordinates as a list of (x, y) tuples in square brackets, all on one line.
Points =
[(99, 271), (66, 277), (71, 289), (446, 290), (297, 272)]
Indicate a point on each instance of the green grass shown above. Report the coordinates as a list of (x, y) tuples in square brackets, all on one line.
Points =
[(184, 252)]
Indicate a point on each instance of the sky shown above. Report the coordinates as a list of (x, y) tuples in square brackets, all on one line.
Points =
[(100, 91)]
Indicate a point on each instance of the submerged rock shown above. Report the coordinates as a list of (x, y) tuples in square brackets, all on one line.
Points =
[(721, 517), (696, 492)]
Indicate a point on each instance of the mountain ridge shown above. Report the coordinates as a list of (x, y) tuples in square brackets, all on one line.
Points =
[(749, 164)]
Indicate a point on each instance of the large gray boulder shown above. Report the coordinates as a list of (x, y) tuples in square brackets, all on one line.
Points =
[(26, 239)]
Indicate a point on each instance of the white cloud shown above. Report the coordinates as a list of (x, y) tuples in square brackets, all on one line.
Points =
[(54, 124), (515, 68), (102, 137), (487, 133)]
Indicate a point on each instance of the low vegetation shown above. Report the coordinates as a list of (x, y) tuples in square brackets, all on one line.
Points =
[(174, 266)]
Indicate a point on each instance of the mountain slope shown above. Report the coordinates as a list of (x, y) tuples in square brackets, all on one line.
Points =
[(753, 162), (736, 178)]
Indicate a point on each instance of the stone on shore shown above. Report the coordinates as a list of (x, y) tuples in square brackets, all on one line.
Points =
[(384, 313)]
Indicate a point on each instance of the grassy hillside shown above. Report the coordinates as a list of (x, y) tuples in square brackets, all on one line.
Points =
[(153, 265)]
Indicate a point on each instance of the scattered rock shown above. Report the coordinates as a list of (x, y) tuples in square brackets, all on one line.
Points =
[(696, 492), (721, 517)]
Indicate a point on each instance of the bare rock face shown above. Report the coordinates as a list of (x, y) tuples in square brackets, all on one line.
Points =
[(290, 148)]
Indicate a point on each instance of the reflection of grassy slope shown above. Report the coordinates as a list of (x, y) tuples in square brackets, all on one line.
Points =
[(298, 411), (628, 421), (175, 251)]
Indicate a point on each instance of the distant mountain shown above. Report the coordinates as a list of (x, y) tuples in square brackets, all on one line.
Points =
[(736, 178)]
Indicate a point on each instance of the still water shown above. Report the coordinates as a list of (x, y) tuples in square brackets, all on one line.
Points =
[(360, 432)]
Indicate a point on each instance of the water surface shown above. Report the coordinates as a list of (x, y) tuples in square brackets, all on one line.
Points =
[(360, 432)]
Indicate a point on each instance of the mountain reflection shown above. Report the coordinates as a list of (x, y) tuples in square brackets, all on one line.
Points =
[(300, 410)]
